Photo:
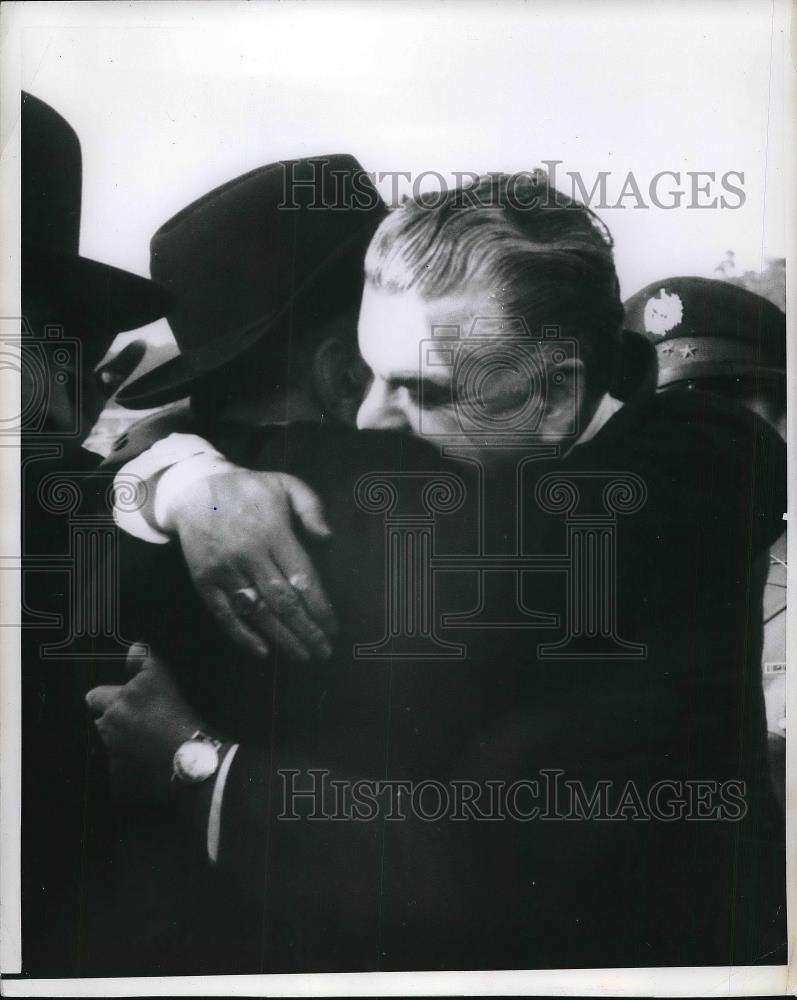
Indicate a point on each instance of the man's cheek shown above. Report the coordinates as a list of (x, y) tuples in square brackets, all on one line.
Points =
[(438, 420), (101, 725)]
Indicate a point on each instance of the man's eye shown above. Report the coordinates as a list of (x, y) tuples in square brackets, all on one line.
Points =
[(432, 394)]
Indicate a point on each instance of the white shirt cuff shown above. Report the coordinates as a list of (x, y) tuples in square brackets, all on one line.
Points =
[(132, 483), (179, 479), (214, 817)]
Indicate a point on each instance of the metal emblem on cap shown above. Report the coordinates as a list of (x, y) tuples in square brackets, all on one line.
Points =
[(663, 313)]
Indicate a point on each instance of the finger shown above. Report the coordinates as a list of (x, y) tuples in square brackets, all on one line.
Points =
[(283, 637), (111, 374), (307, 506), (100, 698), (300, 573), (274, 610), (136, 658), (304, 609), (240, 631), (316, 601), (281, 603)]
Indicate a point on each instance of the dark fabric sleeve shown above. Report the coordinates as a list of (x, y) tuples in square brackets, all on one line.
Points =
[(245, 820), (714, 474)]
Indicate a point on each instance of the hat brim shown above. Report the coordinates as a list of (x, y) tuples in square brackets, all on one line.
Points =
[(174, 379), (178, 377), (677, 374), (95, 298)]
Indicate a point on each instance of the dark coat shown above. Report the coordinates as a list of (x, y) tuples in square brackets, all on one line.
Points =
[(386, 894), (62, 765)]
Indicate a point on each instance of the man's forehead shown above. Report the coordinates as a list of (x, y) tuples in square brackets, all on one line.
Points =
[(394, 324)]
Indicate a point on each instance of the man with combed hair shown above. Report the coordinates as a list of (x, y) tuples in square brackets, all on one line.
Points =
[(451, 266), (666, 702)]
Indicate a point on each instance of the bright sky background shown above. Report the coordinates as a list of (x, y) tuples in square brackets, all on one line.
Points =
[(170, 100)]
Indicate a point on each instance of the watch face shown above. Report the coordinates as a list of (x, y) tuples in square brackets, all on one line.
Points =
[(195, 761)]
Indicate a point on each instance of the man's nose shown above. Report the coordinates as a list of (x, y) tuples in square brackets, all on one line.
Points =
[(380, 410)]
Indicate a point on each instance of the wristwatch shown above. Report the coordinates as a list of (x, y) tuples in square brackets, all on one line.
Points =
[(197, 759)]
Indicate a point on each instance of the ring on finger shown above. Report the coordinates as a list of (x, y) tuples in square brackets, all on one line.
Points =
[(246, 600)]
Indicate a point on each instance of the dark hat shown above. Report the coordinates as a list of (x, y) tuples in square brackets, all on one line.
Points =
[(58, 285), (268, 254), (704, 328)]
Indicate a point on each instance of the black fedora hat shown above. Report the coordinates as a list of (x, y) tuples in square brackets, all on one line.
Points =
[(264, 255), (59, 286)]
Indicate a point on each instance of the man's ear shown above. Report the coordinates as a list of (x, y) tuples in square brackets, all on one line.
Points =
[(565, 396), (339, 379)]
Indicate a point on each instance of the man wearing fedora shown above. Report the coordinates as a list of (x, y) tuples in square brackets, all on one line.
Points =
[(287, 284), (73, 308), (284, 398), (86, 300), (672, 700)]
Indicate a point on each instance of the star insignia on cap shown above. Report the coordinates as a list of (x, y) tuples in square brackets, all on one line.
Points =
[(666, 348), (687, 351)]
